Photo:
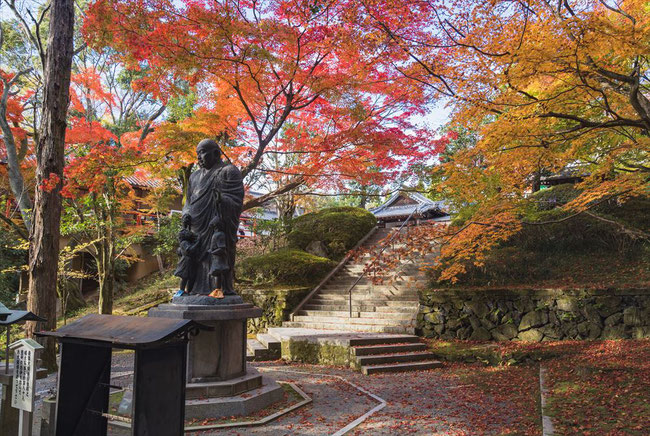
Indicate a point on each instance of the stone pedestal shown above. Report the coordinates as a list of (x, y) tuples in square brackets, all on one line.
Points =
[(219, 383)]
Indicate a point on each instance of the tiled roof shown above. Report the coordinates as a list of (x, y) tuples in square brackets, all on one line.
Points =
[(143, 182), (424, 204)]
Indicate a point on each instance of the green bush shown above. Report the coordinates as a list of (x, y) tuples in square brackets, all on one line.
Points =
[(582, 233), (12, 257), (338, 228), (559, 195), (165, 240), (285, 267)]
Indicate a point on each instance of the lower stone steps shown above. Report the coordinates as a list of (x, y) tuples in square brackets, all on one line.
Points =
[(382, 359), (404, 354), (374, 300), (400, 367), (361, 308), (357, 314), (258, 351), (354, 321), (388, 348), (350, 327), (264, 347), (271, 343)]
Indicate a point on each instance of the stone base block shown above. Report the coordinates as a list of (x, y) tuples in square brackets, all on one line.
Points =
[(235, 386), (237, 405), (218, 352)]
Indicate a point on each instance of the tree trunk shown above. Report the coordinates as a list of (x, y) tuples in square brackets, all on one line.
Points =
[(16, 181), (46, 220), (106, 264), (106, 273)]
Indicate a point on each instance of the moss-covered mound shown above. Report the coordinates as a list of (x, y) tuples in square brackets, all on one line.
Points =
[(582, 251), (338, 228), (285, 267)]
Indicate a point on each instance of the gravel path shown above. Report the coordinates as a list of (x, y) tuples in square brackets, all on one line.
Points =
[(421, 403)]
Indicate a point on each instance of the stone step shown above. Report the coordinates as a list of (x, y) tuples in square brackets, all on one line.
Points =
[(366, 284), (365, 302), (349, 280), (356, 269), (259, 351), (354, 321), (381, 359), (357, 314), (369, 350), (272, 344), (392, 340), (361, 308), (350, 327), (361, 299), (400, 367), (365, 294), (337, 290)]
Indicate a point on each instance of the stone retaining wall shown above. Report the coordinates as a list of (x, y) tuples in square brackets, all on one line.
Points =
[(276, 305), (534, 315)]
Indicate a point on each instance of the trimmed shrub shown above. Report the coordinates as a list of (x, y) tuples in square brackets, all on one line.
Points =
[(338, 228), (559, 195), (286, 267)]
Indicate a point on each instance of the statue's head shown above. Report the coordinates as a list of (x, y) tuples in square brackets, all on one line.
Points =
[(208, 153)]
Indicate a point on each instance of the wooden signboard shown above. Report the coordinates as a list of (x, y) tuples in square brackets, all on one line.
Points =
[(23, 382)]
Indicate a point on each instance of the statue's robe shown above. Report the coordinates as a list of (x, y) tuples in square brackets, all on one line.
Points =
[(206, 186)]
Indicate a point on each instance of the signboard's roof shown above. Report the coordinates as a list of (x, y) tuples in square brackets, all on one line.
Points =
[(30, 343), (4, 312), (122, 330), (8, 317)]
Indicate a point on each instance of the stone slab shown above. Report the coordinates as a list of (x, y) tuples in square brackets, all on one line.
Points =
[(205, 300), (344, 338), (206, 313), (237, 405), (235, 386)]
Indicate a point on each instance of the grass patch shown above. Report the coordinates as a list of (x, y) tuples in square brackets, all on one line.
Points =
[(601, 388), (151, 289), (493, 353), (594, 387), (509, 393)]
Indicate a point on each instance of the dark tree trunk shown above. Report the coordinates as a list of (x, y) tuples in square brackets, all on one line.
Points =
[(44, 240), (537, 181)]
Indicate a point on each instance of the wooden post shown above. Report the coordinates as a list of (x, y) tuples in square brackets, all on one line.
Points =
[(25, 423)]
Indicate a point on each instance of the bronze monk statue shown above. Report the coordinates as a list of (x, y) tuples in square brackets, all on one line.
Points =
[(215, 195)]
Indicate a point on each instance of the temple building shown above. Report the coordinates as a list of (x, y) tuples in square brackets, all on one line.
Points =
[(403, 204)]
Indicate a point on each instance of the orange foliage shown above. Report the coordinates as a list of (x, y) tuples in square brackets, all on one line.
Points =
[(546, 85)]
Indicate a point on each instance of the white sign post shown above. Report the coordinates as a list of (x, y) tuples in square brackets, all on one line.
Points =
[(23, 382)]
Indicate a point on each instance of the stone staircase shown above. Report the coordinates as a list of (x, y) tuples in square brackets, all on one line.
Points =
[(371, 353), (376, 308), (263, 347), (386, 308), (397, 354)]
